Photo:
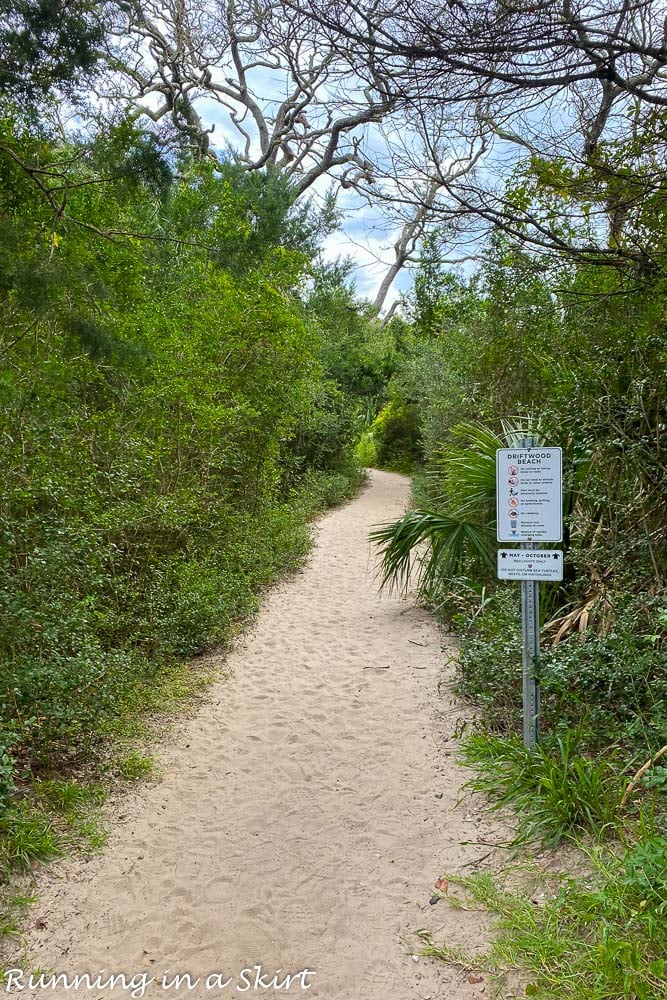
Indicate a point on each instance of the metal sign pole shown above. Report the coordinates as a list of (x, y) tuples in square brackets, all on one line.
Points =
[(530, 633), (529, 512)]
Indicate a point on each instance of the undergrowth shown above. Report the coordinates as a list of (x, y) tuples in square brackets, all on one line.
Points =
[(54, 785), (555, 792), (596, 937), (599, 934)]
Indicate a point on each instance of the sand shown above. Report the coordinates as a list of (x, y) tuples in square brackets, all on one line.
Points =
[(305, 812)]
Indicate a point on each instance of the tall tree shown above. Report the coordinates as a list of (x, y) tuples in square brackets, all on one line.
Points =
[(46, 44), (285, 100), (281, 103), (571, 95)]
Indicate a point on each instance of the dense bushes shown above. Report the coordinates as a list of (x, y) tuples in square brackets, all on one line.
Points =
[(576, 355), (169, 426), (611, 687), (361, 354), (393, 438)]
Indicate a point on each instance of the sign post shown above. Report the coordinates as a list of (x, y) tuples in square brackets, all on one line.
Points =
[(529, 511), (530, 635)]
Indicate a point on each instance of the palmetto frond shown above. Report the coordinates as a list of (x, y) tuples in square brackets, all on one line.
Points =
[(466, 470), (437, 544), (447, 540)]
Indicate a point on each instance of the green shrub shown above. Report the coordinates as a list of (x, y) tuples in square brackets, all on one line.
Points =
[(488, 667), (325, 433), (366, 450), (319, 489), (612, 686), (8, 740), (395, 435), (616, 683)]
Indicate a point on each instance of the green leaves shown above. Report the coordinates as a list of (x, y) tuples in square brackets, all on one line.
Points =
[(556, 792), (448, 540), (466, 470), (646, 877), (44, 45), (156, 362), (588, 938), (461, 537)]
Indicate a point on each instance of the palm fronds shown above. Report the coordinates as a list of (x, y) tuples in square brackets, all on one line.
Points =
[(446, 541), (438, 544), (466, 469)]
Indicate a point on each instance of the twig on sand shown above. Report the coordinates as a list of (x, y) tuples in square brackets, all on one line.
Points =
[(640, 774), (477, 861)]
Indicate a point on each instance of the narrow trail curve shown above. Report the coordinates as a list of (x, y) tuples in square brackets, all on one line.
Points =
[(305, 809)]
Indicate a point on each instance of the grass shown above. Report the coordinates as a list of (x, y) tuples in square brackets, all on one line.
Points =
[(27, 837), (12, 910), (58, 814), (54, 815), (136, 766), (601, 938), (175, 688), (597, 936), (77, 808), (556, 793)]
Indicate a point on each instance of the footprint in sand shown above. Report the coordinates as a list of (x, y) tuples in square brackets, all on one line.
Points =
[(286, 827)]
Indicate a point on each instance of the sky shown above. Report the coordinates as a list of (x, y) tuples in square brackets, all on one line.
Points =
[(362, 239), (365, 236)]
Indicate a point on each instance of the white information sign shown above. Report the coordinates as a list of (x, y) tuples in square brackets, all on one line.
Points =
[(529, 496), (530, 564)]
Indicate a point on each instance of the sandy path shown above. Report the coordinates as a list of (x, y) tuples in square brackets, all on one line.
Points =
[(304, 813)]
